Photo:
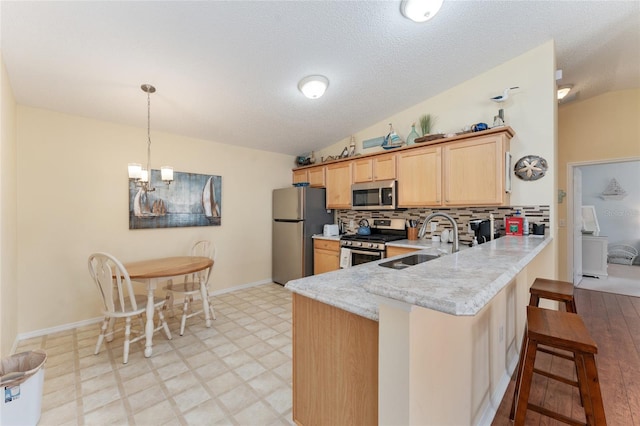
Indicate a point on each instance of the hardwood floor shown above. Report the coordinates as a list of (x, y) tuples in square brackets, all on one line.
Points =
[(614, 323)]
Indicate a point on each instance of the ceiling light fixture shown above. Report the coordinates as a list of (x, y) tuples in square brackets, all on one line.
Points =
[(313, 86), (420, 10), (142, 177), (563, 91)]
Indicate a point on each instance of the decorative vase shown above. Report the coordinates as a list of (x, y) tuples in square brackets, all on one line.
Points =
[(411, 138)]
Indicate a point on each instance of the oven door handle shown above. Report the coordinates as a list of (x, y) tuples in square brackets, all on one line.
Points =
[(368, 253)]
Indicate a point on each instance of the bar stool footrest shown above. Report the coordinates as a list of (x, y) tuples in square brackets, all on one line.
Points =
[(556, 377), (554, 415), (555, 353)]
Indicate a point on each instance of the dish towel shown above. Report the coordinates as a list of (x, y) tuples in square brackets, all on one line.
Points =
[(345, 258)]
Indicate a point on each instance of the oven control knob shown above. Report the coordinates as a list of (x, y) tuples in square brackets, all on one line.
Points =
[(358, 244), (371, 245)]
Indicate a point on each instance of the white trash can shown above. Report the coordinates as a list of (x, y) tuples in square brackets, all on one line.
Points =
[(21, 380)]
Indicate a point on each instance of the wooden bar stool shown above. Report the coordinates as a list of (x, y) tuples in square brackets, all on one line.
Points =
[(559, 291), (565, 331)]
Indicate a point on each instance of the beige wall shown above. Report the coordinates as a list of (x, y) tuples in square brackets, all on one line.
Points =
[(73, 200), (72, 197), (600, 128), (530, 111), (8, 216)]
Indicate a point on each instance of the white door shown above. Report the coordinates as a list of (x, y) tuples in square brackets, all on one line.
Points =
[(577, 225)]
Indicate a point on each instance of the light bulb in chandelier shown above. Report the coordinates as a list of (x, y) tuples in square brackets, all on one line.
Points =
[(141, 176)]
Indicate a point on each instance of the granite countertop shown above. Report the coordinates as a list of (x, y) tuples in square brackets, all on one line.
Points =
[(425, 244), (323, 237), (459, 284)]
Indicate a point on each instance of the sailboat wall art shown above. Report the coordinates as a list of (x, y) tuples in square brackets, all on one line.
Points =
[(190, 200)]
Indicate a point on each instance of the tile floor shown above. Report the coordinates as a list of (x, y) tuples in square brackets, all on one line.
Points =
[(238, 372)]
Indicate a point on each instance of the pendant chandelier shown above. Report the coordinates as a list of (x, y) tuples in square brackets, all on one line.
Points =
[(142, 177)]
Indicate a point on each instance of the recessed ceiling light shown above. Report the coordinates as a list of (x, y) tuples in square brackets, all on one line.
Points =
[(420, 10), (564, 91), (313, 86)]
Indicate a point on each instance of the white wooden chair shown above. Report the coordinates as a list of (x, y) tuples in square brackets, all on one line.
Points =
[(114, 284), (194, 285)]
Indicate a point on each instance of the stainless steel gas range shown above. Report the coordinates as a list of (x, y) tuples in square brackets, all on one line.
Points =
[(357, 249)]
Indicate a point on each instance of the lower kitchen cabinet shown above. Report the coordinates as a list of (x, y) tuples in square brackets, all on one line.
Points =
[(326, 256), (335, 365)]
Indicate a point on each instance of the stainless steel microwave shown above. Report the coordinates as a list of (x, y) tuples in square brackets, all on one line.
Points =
[(379, 195)]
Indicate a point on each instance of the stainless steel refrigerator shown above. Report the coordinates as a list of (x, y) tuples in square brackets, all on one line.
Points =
[(298, 213)]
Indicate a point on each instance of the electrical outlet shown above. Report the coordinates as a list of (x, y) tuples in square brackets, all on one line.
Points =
[(562, 223), (434, 226), (501, 333), (352, 224)]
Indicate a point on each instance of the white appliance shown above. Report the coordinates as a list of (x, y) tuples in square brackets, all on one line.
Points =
[(330, 230)]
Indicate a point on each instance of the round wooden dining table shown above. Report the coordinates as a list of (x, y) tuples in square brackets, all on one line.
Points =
[(154, 270)]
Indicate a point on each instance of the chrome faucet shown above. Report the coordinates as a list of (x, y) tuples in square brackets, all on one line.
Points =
[(423, 229)]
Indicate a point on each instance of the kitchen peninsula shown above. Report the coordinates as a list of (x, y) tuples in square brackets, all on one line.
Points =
[(434, 343)]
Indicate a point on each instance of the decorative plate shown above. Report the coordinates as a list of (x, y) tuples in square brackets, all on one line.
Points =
[(530, 167)]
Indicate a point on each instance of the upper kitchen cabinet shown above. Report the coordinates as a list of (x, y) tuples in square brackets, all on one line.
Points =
[(464, 170), (314, 175), (420, 177), (338, 179), (475, 170), (380, 167)]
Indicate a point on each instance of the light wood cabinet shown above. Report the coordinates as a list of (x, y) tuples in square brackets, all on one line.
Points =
[(420, 177), (313, 175), (475, 171), (382, 167), (338, 183), (316, 177), (326, 256), (335, 365), (396, 251), (464, 170), (300, 175)]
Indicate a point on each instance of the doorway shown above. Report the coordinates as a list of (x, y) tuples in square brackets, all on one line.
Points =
[(575, 185)]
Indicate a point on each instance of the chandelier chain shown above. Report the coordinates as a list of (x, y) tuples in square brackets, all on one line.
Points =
[(149, 134)]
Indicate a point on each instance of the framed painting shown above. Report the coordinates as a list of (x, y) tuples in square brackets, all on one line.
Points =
[(190, 200)]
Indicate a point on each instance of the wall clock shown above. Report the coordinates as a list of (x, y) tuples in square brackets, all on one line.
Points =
[(530, 167)]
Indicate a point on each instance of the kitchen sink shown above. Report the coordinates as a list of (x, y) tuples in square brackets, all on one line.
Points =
[(407, 261)]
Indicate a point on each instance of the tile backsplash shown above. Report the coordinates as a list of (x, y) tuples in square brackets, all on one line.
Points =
[(535, 214)]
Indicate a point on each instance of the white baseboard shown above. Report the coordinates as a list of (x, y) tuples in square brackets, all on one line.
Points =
[(56, 329), (491, 409), (496, 398), (70, 326), (241, 287)]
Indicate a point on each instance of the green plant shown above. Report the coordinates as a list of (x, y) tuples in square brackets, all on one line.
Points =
[(425, 124)]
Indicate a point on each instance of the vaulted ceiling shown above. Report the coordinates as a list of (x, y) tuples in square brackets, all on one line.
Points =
[(227, 71)]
